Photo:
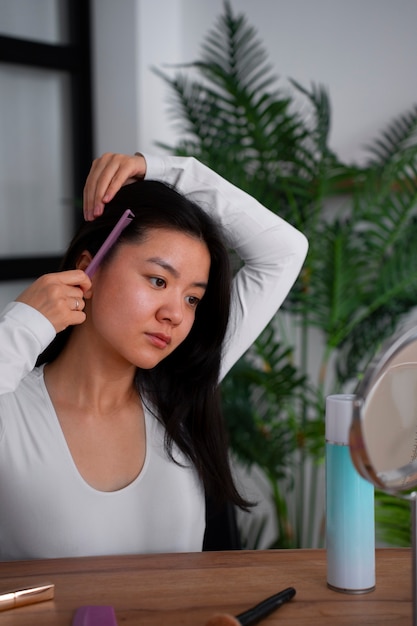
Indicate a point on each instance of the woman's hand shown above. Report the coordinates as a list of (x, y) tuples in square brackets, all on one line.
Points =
[(59, 297), (107, 175)]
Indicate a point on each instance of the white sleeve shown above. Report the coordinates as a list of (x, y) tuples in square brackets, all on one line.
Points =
[(273, 251), (24, 334)]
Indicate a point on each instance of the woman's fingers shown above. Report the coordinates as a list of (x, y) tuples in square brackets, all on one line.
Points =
[(59, 297), (107, 175), (101, 173)]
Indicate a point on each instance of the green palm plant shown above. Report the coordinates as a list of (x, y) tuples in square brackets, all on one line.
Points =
[(360, 277)]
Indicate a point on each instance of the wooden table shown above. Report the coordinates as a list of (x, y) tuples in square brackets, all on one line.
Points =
[(186, 589)]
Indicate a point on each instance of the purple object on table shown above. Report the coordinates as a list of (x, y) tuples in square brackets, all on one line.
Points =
[(94, 616)]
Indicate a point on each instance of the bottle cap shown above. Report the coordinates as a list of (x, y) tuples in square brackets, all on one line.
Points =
[(339, 418)]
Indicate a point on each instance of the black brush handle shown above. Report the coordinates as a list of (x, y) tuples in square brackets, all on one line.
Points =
[(264, 608)]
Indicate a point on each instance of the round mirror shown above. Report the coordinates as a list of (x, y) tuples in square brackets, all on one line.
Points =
[(383, 436)]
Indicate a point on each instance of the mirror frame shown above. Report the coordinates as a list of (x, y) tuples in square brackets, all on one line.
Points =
[(375, 369)]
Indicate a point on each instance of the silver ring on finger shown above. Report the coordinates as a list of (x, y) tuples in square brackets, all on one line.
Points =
[(77, 305)]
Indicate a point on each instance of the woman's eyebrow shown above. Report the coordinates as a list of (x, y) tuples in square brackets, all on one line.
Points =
[(174, 272)]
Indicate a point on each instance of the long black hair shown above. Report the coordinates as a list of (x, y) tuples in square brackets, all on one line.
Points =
[(183, 387)]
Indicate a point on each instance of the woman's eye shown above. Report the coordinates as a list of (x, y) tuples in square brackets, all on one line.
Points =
[(157, 282), (193, 301)]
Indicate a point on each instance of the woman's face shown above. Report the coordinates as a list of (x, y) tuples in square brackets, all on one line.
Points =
[(144, 299)]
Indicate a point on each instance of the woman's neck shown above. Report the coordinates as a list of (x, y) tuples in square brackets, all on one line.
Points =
[(90, 379)]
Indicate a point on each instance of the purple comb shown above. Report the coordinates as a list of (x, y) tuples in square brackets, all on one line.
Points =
[(109, 242)]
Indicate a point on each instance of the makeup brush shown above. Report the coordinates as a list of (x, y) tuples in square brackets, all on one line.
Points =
[(256, 613)]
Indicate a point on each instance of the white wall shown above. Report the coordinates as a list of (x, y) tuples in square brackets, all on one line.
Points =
[(363, 51)]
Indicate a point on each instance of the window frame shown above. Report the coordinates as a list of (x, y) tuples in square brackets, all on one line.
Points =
[(74, 59)]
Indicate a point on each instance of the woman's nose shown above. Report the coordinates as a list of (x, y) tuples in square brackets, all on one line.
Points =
[(171, 311)]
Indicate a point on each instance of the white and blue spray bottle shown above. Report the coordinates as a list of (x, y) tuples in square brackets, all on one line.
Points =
[(350, 514)]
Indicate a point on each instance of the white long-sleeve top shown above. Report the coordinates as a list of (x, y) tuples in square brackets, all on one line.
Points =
[(47, 509)]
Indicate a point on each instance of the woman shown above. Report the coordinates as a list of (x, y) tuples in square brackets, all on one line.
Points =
[(111, 442)]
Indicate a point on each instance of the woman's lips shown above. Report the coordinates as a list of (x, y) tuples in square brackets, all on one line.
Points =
[(159, 339)]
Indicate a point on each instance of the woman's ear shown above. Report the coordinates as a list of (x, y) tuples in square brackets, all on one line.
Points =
[(83, 262)]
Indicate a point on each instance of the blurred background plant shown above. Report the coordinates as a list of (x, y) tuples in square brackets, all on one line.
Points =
[(271, 138)]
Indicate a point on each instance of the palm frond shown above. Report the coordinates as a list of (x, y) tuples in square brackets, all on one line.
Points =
[(399, 136), (237, 111), (321, 123), (393, 520), (334, 267), (385, 204), (256, 400), (252, 439), (365, 339), (395, 283), (233, 57)]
